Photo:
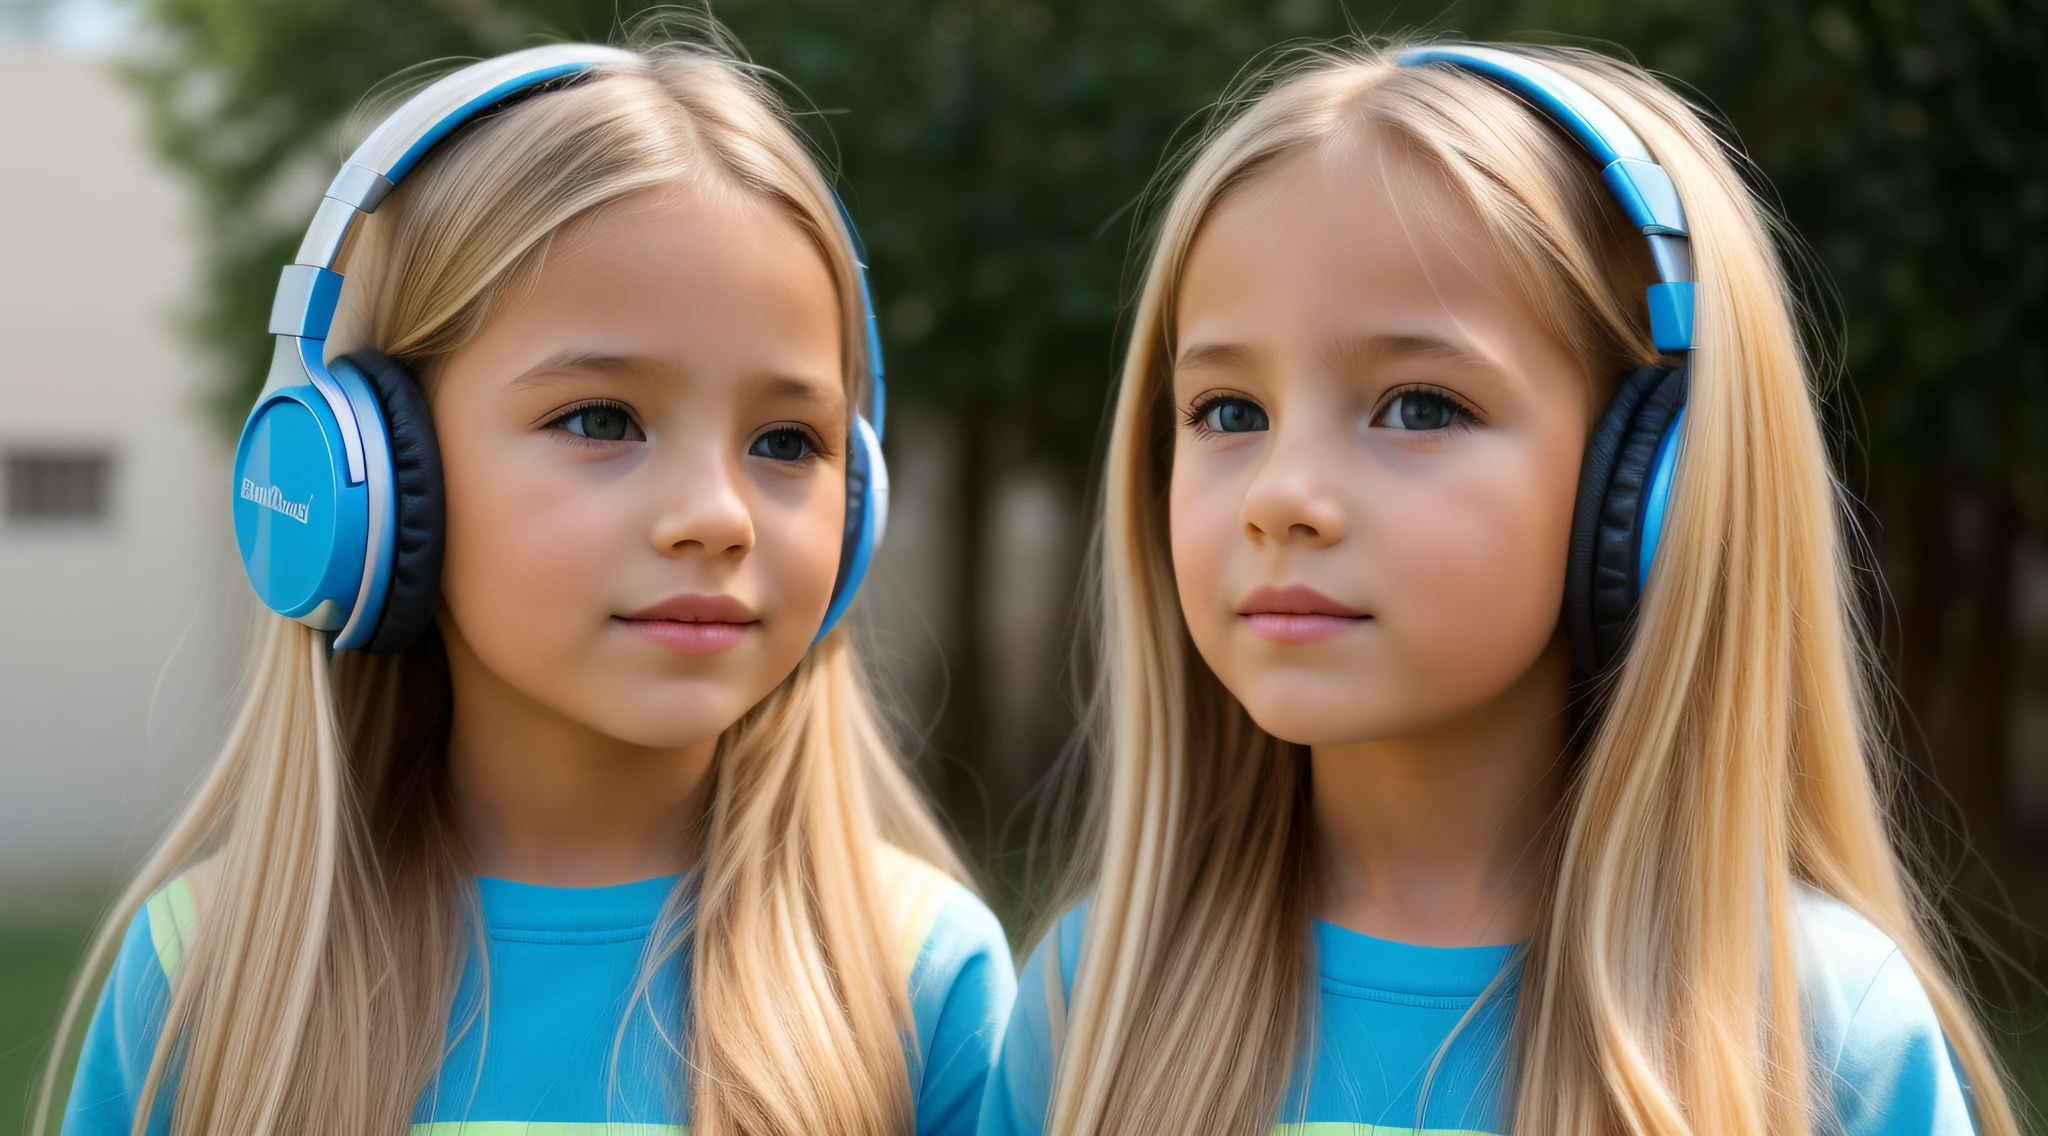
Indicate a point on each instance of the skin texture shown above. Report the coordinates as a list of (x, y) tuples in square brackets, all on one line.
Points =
[(581, 742), (1317, 301)]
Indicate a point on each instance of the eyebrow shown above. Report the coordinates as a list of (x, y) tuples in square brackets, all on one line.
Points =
[(1356, 353), (1224, 355), (564, 364), (1363, 353)]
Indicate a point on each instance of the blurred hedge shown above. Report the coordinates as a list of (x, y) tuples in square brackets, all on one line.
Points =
[(993, 152)]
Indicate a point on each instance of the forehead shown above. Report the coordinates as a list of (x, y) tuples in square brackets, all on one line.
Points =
[(714, 282), (1355, 232)]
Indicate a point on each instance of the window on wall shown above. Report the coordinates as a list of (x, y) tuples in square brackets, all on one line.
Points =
[(58, 486)]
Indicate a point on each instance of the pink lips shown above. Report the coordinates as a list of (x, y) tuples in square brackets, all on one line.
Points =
[(693, 624), (1297, 614)]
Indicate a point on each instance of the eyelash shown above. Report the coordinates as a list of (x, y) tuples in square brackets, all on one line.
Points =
[(555, 422), (814, 447), (1463, 416), (1197, 416)]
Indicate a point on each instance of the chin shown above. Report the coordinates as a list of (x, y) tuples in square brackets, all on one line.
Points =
[(1312, 713), (656, 721)]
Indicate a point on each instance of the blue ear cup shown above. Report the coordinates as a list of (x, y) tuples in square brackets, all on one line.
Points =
[(1624, 485), (302, 505), (867, 515), (339, 509)]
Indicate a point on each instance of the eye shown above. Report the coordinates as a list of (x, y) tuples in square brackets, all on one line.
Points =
[(1422, 411), (601, 422), (1228, 414), (783, 444)]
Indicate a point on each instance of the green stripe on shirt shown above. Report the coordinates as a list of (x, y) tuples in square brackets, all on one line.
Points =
[(171, 916)]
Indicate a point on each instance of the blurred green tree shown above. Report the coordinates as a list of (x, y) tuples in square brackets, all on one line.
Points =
[(1905, 144), (996, 153)]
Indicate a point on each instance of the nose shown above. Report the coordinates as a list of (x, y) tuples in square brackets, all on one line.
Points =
[(701, 509), (1293, 497)]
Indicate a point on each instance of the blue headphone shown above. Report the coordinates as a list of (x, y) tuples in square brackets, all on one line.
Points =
[(339, 513), (1625, 480)]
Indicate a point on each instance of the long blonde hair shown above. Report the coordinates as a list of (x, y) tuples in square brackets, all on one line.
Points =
[(1733, 753), (336, 909)]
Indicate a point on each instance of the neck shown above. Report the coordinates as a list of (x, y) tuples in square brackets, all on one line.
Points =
[(1440, 838), (545, 799)]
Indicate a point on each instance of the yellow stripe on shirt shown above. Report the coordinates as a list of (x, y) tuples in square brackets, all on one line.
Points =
[(172, 918)]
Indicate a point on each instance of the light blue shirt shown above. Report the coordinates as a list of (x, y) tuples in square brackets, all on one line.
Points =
[(1385, 1061), (561, 1040)]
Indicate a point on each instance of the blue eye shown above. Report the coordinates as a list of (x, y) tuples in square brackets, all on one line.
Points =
[(1422, 410), (1228, 415), (783, 444), (601, 422)]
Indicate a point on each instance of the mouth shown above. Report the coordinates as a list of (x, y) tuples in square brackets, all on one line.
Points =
[(1297, 613), (693, 624)]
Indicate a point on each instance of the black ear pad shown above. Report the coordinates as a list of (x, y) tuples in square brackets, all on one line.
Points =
[(422, 506), (1600, 585)]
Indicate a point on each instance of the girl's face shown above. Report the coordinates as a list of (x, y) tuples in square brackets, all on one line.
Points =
[(645, 471), (1376, 458)]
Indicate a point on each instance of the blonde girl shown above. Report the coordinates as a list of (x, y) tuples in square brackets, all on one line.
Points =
[(1411, 816), (558, 807)]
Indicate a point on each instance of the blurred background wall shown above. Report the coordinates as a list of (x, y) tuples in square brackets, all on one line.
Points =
[(158, 160), (111, 540)]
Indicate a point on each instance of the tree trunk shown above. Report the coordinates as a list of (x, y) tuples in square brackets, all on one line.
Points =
[(1981, 732), (963, 721)]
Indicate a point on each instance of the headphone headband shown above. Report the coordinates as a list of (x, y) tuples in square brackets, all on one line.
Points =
[(1637, 182), (309, 290)]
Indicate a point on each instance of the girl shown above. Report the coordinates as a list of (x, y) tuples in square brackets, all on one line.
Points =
[(1369, 858), (612, 834)]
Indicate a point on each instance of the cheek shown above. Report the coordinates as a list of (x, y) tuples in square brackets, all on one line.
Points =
[(1477, 564), (531, 552), (799, 537), (1203, 524)]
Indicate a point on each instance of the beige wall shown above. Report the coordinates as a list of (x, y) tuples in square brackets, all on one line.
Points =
[(111, 635)]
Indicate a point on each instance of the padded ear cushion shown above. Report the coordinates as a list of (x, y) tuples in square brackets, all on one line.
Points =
[(1600, 586), (421, 503), (867, 512)]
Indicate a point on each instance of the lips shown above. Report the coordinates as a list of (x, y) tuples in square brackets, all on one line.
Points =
[(1297, 613), (693, 624)]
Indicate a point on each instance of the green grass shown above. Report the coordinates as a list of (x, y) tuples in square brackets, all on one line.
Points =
[(37, 958)]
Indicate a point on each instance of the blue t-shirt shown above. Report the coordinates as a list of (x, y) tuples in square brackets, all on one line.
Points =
[(1385, 1010), (548, 1055)]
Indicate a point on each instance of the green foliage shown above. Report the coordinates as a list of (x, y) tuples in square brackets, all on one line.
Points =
[(995, 152), (1905, 142)]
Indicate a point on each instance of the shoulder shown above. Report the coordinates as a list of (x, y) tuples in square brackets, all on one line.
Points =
[(1058, 953), (1046, 986), (172, 918), (1855, 986), (1878, 1056), (940, 925), (1020, 1086), (161, 935), (121, 1040), (957, 963)]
